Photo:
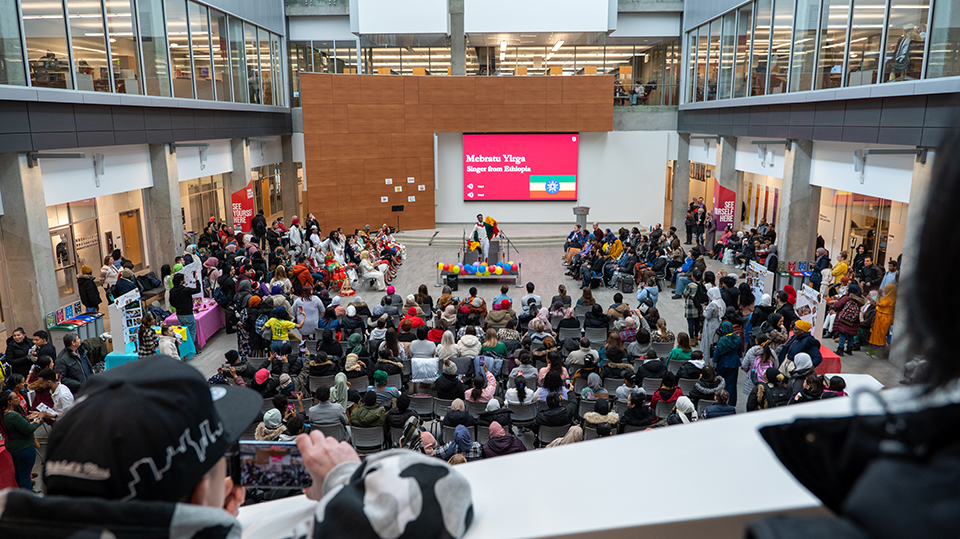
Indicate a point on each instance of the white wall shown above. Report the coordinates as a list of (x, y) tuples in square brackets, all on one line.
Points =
[(885, 176), (748, 158), (647, 25), (219, 160), (266, 152), (697, 154), (326, 27), (400, 16), (621, 177), (109, 209), (126, 168), (299, 155), (507, 16)]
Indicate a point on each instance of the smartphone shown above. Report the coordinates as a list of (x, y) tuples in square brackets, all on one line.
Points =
[(290, 407), (267, 465), (226, 366)]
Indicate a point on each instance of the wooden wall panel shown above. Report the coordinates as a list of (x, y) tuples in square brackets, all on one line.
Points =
[(361, 129)]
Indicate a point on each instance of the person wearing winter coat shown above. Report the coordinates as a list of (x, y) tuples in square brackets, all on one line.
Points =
[(785, 309), (812, 390), (501, 442), (706, 386), (601, 414), (802, 367), (557, 413), (88, 290), (369, 413), (18, 352), (822, 263), (802, 341), (846, 330), (755, 363), (637, 414), (494, 413), (469, 345), (726, 357), (651, 367), (458, 415), (721, 408), (772, 393), (167, 342), (712, 314), (668, 392), (448, 386)]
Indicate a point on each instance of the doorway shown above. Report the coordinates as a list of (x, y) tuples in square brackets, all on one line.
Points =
[(131, 239)]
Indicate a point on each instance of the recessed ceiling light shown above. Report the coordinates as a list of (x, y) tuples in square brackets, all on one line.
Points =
[(558, 45), (503, 45)]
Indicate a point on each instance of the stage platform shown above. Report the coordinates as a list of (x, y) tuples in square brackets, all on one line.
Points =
[(521, 234)]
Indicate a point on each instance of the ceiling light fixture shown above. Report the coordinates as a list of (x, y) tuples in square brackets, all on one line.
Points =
[(502, 56), (558, 45), (503, 45)]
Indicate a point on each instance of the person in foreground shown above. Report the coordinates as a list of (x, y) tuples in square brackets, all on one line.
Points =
[(142, 453), (891, 469)]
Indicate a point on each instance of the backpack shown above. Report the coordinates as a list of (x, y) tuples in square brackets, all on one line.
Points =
[(850, 313), (260, 227), (776, 396), (296, 286), (259, 323), (220, 296), (700, 297)]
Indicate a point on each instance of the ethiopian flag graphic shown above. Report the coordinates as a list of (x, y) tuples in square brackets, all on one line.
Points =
[(553, 187)]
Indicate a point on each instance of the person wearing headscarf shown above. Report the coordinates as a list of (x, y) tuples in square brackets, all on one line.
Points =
[(501, 442), (569, 320), (330, 345), (462, 443), (684, 412), (762, 310), (574, 434), (802, 366), (712, 314), (726, 357), (883, 319), (544, 315), (449, 315), (339, 391), (354, 344), (594, 388), (271, 427), (791, 294), (354, 368)]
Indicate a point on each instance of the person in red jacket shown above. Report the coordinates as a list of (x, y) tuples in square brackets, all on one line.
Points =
[(668, 392), (415, 320)]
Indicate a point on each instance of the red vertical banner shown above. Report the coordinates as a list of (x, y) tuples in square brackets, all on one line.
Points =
[(724, 205), (242, 204)]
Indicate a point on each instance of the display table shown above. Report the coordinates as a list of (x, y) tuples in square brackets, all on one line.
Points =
[(210, 318), (187, 349), (831, 361)]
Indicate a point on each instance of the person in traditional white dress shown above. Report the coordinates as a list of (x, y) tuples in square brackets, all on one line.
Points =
[(369, 272)]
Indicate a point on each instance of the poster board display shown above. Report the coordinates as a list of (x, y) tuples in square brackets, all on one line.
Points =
[(125, 315), (759, 279), (811, 308)]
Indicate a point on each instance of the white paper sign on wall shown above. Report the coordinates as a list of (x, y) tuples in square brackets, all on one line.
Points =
[(384, 199), (388, 181), (421, 188), (411, 199), (410, 179)]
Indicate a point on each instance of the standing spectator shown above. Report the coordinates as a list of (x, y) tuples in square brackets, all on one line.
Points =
[(726, 357), (146, 338), (18, 352), (89, 293), (886, 306), (18, 437), (61, 394), (72, 363), (181, 300)]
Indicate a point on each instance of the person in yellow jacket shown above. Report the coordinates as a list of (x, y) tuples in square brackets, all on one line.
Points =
[(840, 270)]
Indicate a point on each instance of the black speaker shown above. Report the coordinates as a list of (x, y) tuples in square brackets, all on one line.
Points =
[(453, 281)]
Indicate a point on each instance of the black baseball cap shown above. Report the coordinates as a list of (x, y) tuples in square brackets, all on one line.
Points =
[(146, 430)]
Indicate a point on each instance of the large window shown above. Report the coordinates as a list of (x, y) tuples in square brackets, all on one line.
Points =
[(692, 66), (780, 40), (238, 62), (804, 45), (727, 49), (944, 42), (153, 43), (276, 67), (253, 63), (180, 48), (906, 30), (833, 43), (713, 60), (11, 50), (864, 47), (759, 69), (47, 51), (741, 83), (221, 55), (124, 56), (200, 43), (90, 65), (266, 73)]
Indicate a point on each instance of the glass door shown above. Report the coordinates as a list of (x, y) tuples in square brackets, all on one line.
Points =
[(63, 258)]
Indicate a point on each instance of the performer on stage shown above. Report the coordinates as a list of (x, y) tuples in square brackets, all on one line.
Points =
[(483, 230)]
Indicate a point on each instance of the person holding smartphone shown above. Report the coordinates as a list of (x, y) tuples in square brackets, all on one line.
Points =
[(150, 409)]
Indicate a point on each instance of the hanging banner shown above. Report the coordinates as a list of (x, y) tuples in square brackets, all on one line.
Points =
[(242, 203), (724, 205)]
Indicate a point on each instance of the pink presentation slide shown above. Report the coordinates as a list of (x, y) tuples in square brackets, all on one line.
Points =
[(520, 167)]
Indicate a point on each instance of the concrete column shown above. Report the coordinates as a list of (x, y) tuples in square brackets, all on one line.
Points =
[(681, 185), (32, 283), (800, 207), (726, 172), (903, 347), (289, 190), (458, 39), (240, 176), (162, 203)]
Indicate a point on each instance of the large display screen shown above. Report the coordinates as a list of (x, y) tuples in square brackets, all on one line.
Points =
[(520, 167)]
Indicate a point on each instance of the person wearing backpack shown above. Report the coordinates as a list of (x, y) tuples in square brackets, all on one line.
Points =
[(259, 227), (770, 394), (847, 323)]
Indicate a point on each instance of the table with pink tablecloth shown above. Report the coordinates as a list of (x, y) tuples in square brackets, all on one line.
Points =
[(209, 320)]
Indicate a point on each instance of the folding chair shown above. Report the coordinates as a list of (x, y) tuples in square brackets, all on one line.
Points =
[(523, 414), (702, 405), (581, 310), (368, 439), (395, 380), (597, 336), (586, 407), (664, 409), (662, 348), (548, 434), (440, 408), (650, 385), (395, 435), (674, 366), (686, 385), (612, 384), (464, 364), (579, 384), (423, 406), (568, 333), (316, 382), (334, 430), (483, 434)]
